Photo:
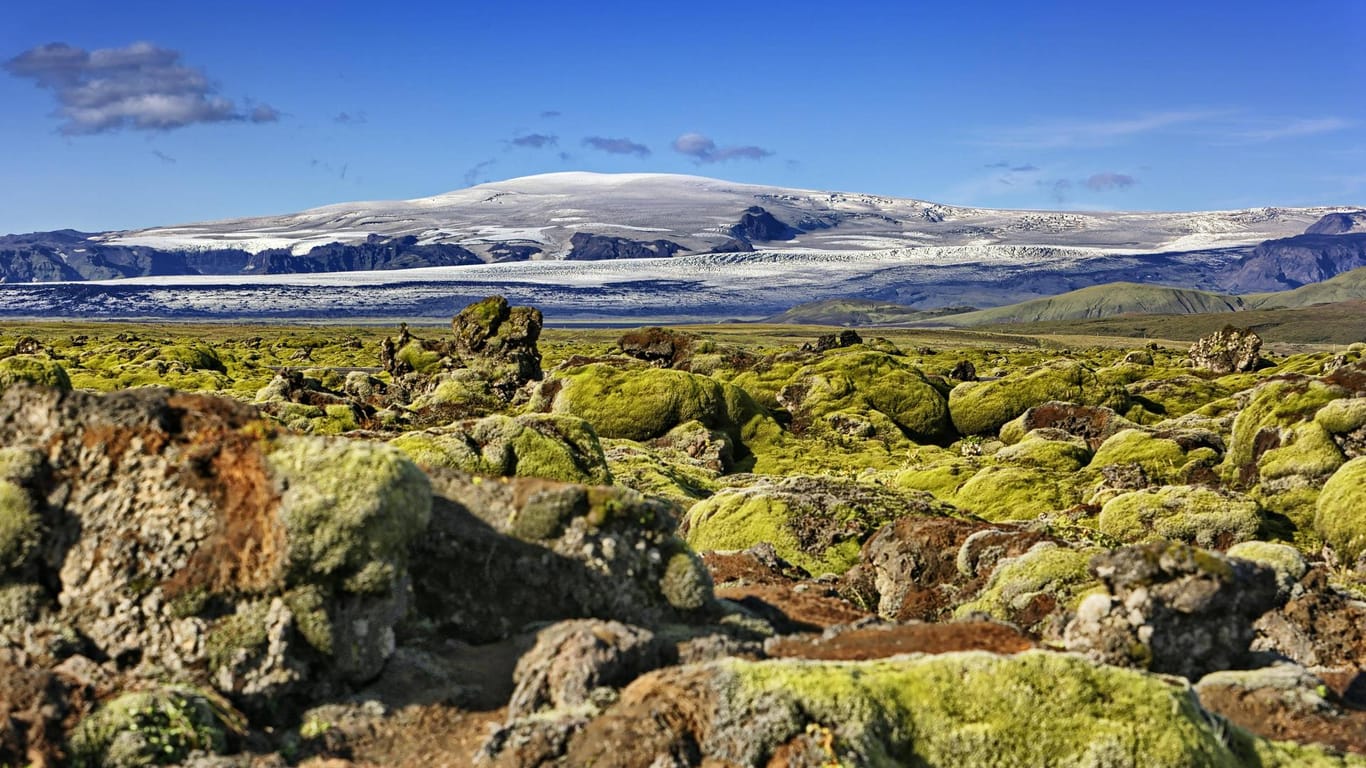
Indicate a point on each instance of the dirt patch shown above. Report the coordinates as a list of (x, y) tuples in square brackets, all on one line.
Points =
[(1268, 713), (880, 642)]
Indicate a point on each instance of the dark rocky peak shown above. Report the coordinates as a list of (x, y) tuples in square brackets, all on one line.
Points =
[(1339, 224), (758, 224), (586, 246)]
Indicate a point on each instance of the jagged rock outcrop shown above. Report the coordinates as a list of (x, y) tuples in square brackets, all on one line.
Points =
[(584, 246), (1172, 608), (757, 224), (1230, 350), (172, 533)]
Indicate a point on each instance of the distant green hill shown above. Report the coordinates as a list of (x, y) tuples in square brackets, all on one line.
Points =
[(858, 312), (1348, 286), (1100, 301)]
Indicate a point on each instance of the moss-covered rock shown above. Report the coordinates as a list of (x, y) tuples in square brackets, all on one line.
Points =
[(196, 355), (816, 523), (1342, 416), (968, 709), (1161, 457), (1192, 514), (36, 369), (1047, 449), (556, 447), (982, 407), (19, 526), (1287, 561), (659, 472), (349, 509), (1028, 588), (1005, 492), (1173, 396), (1266, 420), (860, 383), (158, 727), (1341, 511), (642, 403)]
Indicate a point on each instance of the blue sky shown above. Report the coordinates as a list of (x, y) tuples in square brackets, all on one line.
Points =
[(158, 113)]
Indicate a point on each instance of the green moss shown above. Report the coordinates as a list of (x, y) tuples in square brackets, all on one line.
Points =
[(309, 606), (197, 355), (1342, 416), (1341, 511), (418, 359), (940, 478), (347, 504), (19, 526), (34, 369), (1176, 395), (1162, 459), (863, 382), (1306, 452), (554, 447), (1047, 571), (976, 709), (670, 474), (1290, 514), (686, 583), (244, 631), (1274, 406), (158, 727), (1045, 452), (1288, 563), (983, 407), (640, 403), (1191, 514), (545, 513), (1016, 493), (816, 523)]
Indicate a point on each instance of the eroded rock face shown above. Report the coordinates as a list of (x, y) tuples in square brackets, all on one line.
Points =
[(1230, 350), (176, 533), (1093, 423), (921, 568), (583, 662), (1172, 608), (501, 554)]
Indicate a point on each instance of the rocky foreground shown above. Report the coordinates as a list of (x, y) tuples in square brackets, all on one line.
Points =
[(676, 552)]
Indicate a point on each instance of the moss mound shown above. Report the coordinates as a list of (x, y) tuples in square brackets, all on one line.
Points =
[(975, 709), (818, 523), (555, 447), (34, 369), (350, 510), (641, 403), (862, 383), (1192, 514), (1163, 459), (1340, 517), (983, 407), (1031, 586), (158, 727), (1264, 423), (1016, 492)]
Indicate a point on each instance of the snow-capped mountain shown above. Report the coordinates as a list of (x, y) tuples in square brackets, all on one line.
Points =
[(537, 217), (660, 246)]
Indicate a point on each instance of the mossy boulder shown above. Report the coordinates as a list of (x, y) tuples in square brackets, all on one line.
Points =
[(555, 447), (1288, 562), (1092, 423), (1172, 396), (971, 709), (818, 523), (669, 474), (20, 527), (36, 369), (642, 403), (196, 355), (1005, 492), (1193, 514), (157, 727), (1267, 420), (1029, 589), (982, 407), (349, 509), (1047, 449), (856, 385), (1161, 458), (1340, 517), (1345, 421)]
